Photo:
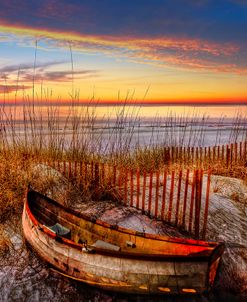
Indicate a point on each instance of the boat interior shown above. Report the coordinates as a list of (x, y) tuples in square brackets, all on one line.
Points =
[(90, 234)]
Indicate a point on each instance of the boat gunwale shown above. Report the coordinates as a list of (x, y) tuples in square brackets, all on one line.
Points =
[(214, 253)]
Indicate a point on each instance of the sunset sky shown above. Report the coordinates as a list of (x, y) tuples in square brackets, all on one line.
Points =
[(154, 51)]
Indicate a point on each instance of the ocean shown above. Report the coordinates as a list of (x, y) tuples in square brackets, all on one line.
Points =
[(105, 128)]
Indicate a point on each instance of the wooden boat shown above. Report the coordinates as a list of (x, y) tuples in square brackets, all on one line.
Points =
[(115, 258)]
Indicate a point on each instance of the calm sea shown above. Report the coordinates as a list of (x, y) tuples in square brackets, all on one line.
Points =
[(145, 125)]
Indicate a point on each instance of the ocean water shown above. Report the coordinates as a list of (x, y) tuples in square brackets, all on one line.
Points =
[(107, 128)]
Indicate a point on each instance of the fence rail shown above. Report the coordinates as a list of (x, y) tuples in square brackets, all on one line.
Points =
[(226, 155)]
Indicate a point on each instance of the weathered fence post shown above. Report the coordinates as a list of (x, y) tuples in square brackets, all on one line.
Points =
[(227, 156), (192, 155), (192, 200), (70, 172), (206, 206), (171, 196), (75, 169), (172, 154), (223, 153), (126, 186), (92, 170), (214, 153), (157, 194), (137, 188), (185, 154), (144, 191), (198, 203), (185, 197), (245, 150), (150, 192), (188, 155), (80, 174), (96, 175), (197, 157), (86, 174), (103, 174), (231, 154), (240, 152), (180, 154), (164, 196), (114, 175), (178, 197), (209, 154), (64, 167), (235, 153), (201, 156), (131, 187)]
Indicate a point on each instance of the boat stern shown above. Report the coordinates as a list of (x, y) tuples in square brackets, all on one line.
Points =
[(214, 263)]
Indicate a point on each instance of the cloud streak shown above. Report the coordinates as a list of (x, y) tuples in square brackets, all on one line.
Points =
[(27, 66), (188, 53), (60, 76), (6, 89), (26, 75)]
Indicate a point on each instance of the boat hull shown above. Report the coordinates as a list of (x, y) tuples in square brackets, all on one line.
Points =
[(122, 273)]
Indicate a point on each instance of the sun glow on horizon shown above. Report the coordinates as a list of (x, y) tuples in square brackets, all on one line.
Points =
[(111, 68)]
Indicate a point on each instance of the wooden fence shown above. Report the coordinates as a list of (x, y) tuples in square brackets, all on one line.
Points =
[(179, 198), (226, 155)]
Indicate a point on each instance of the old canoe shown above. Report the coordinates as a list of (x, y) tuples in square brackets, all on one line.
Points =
[(116, 258)]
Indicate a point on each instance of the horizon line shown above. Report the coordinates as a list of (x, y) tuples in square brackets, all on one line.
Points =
[(124, 103)]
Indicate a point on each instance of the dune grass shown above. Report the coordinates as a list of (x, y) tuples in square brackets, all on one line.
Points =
[(37, 133)]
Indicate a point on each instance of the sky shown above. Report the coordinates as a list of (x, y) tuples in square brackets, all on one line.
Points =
[(112, 51)]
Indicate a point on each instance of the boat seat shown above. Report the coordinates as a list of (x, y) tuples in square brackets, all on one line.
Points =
[(106, 246), (60, 230)]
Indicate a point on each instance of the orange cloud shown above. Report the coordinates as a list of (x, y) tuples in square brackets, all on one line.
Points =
[(164, 51)]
